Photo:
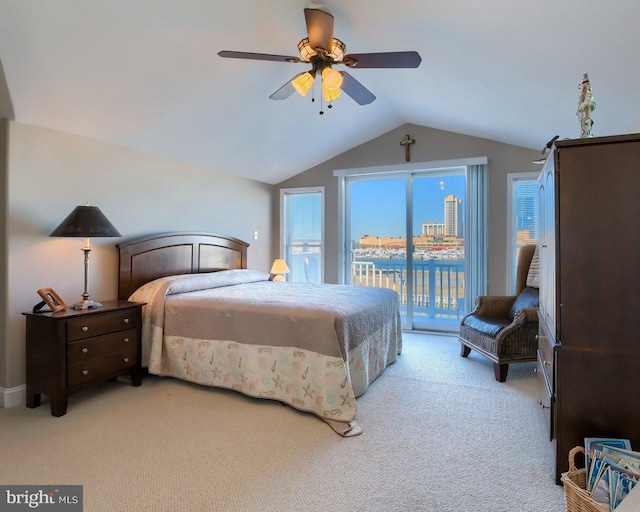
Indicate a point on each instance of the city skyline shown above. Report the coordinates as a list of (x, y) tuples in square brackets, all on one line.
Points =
[(378, 207)]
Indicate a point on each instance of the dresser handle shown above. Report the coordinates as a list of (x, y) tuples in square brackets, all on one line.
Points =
[(85, 372), (126, 359), (85, 328), (85, 350), (548, 363), (126, 320), (126, 340)]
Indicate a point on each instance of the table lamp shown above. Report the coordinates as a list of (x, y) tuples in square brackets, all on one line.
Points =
[(86, 221), (279, 267)]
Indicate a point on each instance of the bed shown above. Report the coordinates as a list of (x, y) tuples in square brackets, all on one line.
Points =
[(209, 319)]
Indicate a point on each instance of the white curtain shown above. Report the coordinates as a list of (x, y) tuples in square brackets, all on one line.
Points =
[(476, 235)]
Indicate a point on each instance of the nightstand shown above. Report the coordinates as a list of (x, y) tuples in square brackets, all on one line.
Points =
[(73, 349)]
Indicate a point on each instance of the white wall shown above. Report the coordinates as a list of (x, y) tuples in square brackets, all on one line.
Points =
[(50, 173)]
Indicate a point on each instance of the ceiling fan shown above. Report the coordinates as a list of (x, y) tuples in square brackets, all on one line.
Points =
[(323, 51)]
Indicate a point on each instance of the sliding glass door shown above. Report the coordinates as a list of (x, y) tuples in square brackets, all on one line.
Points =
[(438, 253), (406, 232), (376, 233)]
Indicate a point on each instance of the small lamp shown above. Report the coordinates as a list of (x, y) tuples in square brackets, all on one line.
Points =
[(86, 221), (279, 267)]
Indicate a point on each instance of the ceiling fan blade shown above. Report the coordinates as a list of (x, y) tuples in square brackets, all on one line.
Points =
[(285, 91), (258, 56), (356, 90), (319, 28), (383, 60)]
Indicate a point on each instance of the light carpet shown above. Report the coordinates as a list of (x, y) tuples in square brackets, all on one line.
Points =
[(440, 434)]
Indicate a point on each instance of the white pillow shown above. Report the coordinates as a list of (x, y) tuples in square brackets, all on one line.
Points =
[(533, 277)]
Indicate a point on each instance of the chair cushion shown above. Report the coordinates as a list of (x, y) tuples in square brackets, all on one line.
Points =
[(486, 325), (528, 298)]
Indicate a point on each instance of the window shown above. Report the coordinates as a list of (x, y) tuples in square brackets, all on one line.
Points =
[(522, 208), (302, 233)]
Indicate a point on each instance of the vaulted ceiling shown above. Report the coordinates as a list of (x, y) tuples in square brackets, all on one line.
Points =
[(145, 74)]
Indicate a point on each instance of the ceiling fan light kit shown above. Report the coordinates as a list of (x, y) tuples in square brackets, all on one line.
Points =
[(307, 52), (322, 51)]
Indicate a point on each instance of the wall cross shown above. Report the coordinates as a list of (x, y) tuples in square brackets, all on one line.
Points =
[(406, 142)]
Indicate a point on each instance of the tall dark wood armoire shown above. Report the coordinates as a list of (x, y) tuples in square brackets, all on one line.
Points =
[(589, 338)]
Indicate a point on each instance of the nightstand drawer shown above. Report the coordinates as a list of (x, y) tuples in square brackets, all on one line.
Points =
[(81, 351), (97, 368), (95, 325)]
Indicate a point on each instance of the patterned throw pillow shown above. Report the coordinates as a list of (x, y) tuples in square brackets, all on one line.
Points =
[(533, 277)]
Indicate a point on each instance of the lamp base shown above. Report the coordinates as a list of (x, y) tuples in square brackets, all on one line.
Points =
[(278, 278), (86, 304)]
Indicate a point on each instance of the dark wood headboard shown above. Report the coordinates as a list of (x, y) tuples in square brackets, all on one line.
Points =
[(151, 257)]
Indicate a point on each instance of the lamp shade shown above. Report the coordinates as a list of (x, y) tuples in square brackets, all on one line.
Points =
[(330, 95), (331, 79), (337, 50), (279, 267), (302, 83), (86, 221), (307, 52)]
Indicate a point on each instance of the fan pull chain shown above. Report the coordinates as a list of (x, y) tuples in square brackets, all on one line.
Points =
[(329, 105), (313, 99)]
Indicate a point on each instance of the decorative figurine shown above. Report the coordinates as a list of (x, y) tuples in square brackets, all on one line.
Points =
[(586, 105)]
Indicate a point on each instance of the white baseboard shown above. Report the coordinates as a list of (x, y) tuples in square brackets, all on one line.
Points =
[(13, 396)]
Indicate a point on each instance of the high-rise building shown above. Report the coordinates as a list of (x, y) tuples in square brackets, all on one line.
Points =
[(453, 225)]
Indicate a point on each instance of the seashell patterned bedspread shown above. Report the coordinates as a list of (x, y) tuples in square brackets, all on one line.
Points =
[(316, 347)]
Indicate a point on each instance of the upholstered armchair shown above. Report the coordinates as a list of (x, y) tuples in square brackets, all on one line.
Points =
[(504, 328)]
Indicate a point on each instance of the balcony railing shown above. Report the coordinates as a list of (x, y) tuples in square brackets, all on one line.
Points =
[(438, 285)]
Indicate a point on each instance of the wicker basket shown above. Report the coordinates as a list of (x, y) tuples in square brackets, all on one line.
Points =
[(576, 498)]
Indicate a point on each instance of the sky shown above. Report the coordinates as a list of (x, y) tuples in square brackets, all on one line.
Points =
[(378, 207)]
